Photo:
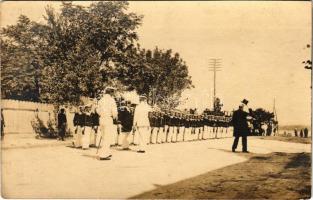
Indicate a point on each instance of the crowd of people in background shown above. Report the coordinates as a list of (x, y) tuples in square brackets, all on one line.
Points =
[(302, 133)]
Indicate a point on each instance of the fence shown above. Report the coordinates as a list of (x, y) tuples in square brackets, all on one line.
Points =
[(18, 115)]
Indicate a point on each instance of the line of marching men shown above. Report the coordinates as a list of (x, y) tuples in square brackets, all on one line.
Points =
[(86, 122), (162, 127), (171, 126)]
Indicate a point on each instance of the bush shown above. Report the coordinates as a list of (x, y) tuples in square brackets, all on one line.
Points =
[(49, 131), (42, 130)]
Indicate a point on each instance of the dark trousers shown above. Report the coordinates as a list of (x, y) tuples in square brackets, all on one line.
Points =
[(62, 132), (244, 142)]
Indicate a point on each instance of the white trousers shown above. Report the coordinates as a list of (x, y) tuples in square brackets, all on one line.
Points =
[(98, 136), (180, 135), (78, 137), (161, 135), (114, 138), (205, 132), (107, 131), (143, 133), (184, 134), (93, 137), (215, 132), (222, 130), (136, 137), (170, 134), (192, 133), (125, 139), (212, 133), (164, 133), (187, 134), (154, 135), (86, 137)]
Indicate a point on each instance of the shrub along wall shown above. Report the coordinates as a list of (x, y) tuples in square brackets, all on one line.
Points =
[(18, 115)]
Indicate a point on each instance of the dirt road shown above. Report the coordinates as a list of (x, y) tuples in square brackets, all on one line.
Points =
[(64, 172)]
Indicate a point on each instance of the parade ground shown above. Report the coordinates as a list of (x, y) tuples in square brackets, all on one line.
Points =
[(172, 170)]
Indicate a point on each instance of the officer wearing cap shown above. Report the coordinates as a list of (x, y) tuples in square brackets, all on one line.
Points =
[(141, 123), (107, 110)]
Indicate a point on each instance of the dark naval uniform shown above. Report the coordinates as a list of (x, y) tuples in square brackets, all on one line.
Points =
[(161, 136), (78, 122), (153, 133), (62, 124), (95, 133)]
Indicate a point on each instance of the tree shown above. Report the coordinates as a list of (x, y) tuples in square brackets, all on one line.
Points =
[(261, 116), (82, 42), (19, 64), (79, 50), (73, 50), (159, 74)]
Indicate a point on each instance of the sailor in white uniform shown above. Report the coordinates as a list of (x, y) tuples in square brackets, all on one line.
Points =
[(107, 110), (141, 123)]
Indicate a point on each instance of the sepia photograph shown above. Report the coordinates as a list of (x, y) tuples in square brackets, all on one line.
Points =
[(156, 99)]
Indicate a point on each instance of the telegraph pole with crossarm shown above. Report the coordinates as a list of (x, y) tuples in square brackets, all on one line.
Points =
[(215, 66)]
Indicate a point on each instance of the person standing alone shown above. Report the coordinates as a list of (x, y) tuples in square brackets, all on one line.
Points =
[(241, 129), (62, 124)]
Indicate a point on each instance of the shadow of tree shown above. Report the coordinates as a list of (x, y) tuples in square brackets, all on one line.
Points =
[(300, 160)]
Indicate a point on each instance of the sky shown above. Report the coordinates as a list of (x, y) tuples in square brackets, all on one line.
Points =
[(261, 46)]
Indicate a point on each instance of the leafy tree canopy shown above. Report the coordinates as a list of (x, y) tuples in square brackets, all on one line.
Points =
[(160, 74), (68, 50), (262, 116), (80, 50)]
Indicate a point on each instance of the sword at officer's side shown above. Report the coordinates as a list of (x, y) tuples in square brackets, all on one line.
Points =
[(99, 144)]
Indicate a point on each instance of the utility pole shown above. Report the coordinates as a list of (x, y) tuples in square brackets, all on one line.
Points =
[(215, 66), (275, 114), (274, 110)]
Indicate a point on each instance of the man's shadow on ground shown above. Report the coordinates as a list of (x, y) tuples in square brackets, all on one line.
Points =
[(95, 156)]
